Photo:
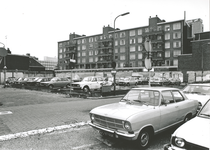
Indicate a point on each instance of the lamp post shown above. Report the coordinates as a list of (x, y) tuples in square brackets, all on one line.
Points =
[(3, 53), (113, 60)]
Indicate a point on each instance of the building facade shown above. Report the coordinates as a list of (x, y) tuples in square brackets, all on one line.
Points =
[(126, 47)]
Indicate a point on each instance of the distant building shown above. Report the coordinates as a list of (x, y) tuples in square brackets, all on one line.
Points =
[(50, 63), (126, 47)]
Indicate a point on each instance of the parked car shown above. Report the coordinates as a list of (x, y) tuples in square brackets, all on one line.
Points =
[(199, 91), (143, 81), (89, 83), (159, 81), (174, 81), (57, 82), (32, 81), (194, 134), (26, 80), (10, 80), (111, 79), (43, 79), (142, 113), (128, 81)]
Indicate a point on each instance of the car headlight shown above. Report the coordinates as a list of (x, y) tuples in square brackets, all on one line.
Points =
[(127, 125), (178, 142), (92, 117)]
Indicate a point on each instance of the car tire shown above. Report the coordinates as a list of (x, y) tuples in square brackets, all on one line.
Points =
[(187, 118), (144, 139), (86, 89), (128, 84), (68, 86), (50, 86)]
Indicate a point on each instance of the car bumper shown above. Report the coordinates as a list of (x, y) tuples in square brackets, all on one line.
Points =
[(169, 147), (114, 133)]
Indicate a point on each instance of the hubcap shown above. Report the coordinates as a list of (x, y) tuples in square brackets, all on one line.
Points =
[(144, 139)]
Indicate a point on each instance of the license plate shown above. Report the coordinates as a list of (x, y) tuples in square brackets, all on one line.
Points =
[(106, 133)]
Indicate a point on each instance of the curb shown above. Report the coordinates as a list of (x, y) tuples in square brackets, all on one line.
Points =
[(41, 131)]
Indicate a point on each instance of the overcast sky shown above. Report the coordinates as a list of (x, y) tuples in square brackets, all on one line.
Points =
[(35, 26)]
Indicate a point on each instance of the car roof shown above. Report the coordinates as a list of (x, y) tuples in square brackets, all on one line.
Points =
[(158, 88), (203, 84)]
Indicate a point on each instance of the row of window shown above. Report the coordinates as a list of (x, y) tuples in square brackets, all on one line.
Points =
[(167, 27)]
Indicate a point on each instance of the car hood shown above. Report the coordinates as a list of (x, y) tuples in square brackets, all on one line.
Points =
[(119, 110), (196, 131), (201, 98)]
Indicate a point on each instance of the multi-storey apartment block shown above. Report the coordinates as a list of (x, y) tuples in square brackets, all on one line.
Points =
[(126, 47)]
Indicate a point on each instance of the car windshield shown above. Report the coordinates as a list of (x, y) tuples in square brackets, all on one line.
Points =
[(205, 111), (198, 89), (142, 97), (87, 79)]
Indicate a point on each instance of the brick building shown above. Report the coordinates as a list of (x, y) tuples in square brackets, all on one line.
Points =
[(126, 47), (197, 63)]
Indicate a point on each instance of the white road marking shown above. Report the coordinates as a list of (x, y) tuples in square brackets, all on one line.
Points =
[(5, 112)]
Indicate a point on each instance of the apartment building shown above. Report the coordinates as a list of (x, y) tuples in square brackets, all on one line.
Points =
[(126, 47)]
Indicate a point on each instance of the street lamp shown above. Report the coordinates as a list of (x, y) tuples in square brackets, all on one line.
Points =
[(3, 53), (113, 61)]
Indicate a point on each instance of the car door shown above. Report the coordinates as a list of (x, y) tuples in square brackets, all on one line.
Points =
[(169, 111), (184, 106)]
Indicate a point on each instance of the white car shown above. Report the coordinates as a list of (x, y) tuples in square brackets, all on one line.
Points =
[(200, 92), (194, 134), (142, 113), (89, 83)]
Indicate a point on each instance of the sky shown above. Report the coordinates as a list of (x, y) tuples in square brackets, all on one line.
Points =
[(36, 26)]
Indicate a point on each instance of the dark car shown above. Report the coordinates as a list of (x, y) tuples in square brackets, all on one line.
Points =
[(26, 80), (32, 81), (57, 82)]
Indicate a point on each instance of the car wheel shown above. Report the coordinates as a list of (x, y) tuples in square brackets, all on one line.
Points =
[(50, 86), (187, 118), (144, 139), (136, 84), (68, 86), (86, 89), (128, 84)]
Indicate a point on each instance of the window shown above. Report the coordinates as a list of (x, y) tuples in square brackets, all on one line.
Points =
[(132, 56), (60, 44), (78, 54), (116, 50), (176, 52), (91, 59), (90, 53), (78, 60), (60, 56), (140, 56), (139, 31), (78, 47), (177, 35), (122, 34), (159, 28), (132, 33), (167, 96), (132, 48), (96, 38), (83, 40), (146, 29), (116, 35), (110, 35), (132, 41), (83, 53), (96, 52), (122, 49), (116, 43), (60, 50), (96, 59), (167, 36), (122, 42), (140, 63), (83, 47), (64, 49), (167, 27), (122, 57), (91, 45), (139, 39), (167, 53), (78, 41), (175, 62), (176, 44), (83, 60), (90, 39), (167, 44), (140, 47), (176, 26), (159, 37), (177, 96)]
